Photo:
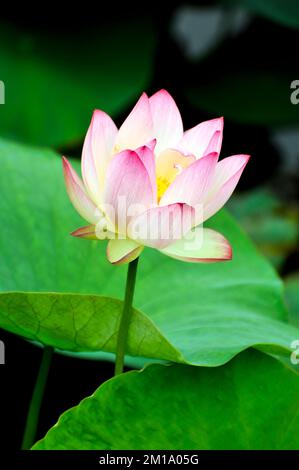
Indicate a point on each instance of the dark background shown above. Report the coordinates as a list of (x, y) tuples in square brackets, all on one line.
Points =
[(262, 46)]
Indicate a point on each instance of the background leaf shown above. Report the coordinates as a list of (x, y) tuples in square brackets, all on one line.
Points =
[(272, 226), (281, 11), (265, 98), (292, 297), (187, 408), (53, 82)]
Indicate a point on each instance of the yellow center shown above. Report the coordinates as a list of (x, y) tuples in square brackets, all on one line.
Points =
[(162, 185), (169, 165)]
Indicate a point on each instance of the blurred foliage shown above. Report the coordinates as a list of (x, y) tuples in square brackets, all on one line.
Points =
[(292, 297), (285, 12), (246, 75), (200, 30), (55, 80), (247, 97), (273, 226)]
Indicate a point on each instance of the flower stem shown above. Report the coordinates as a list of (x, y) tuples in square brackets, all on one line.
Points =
[(36, 400), (125, 317)]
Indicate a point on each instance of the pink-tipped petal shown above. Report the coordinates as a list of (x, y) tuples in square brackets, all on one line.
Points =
[(78, 195), (137, 129), (94, 232), (225, 179), (152, 144), (147, 157), (128, 189), (123, 251), (191, 185), (160, 226), (202, 247), (97, 151), (168, 126), (197, 140), (88, 232), (215, 143)]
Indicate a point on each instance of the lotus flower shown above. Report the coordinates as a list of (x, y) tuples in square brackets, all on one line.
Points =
[(165, 174)]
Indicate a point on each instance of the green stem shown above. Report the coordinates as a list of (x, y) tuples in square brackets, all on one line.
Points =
[(125, 317), (36, 400)]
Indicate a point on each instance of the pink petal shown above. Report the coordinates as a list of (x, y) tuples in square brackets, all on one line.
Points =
[(123, 251), (215, 143), (97, 150), (169, 164), (205, 247), (152, 144), (225, 179), (197, 141), (147, 156), (168, 126), (137, 128), (160, 226), (191, 185), (78, 195), (128, 188)]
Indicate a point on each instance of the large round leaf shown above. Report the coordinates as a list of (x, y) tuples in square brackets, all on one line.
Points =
[(53, 82), (81, 323), (250, 403), (208, 313)]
